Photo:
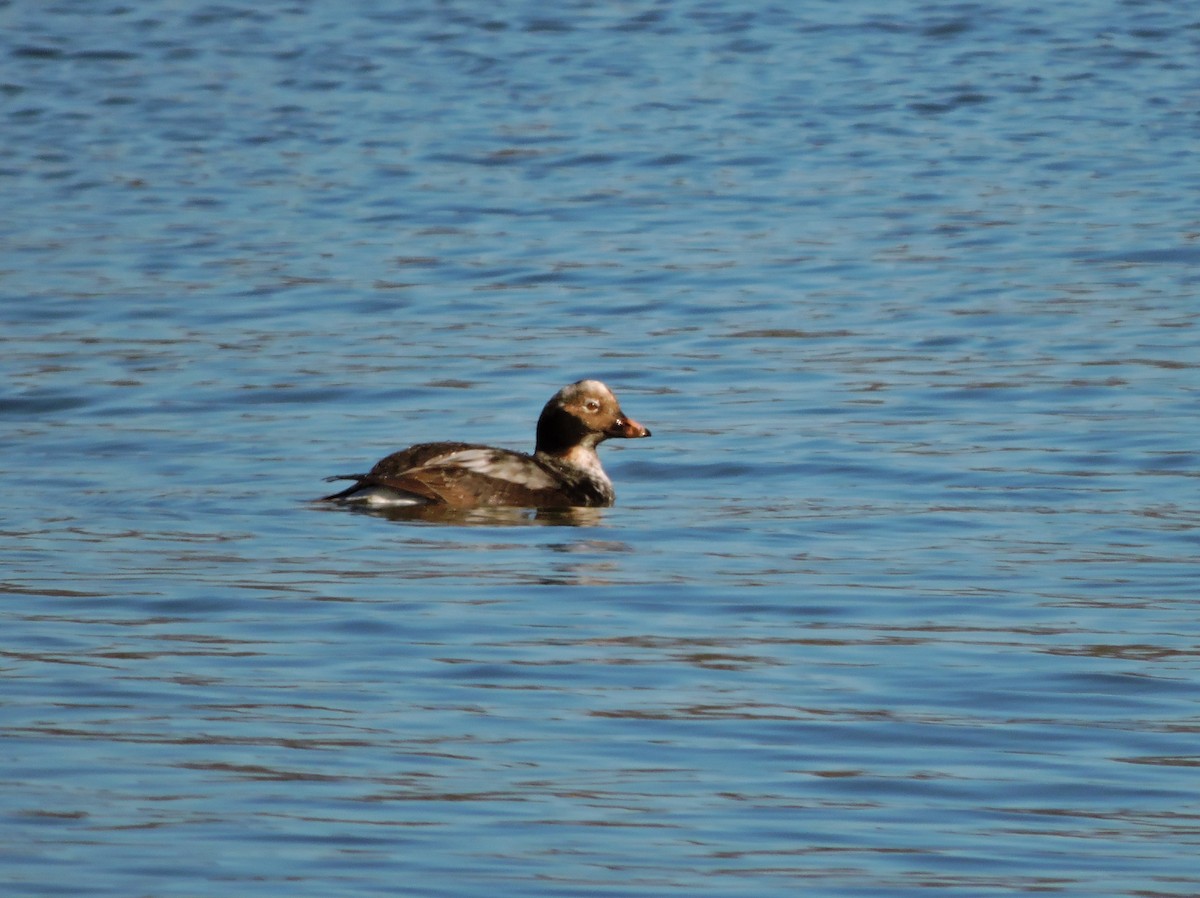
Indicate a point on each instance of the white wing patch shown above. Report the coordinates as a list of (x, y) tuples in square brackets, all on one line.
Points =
[(383, 497), (498, 464)]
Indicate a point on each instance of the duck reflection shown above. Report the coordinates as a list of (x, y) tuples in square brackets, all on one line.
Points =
[(484, 516)]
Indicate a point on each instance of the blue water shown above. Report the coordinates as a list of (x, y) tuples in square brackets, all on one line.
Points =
[(900, 599)]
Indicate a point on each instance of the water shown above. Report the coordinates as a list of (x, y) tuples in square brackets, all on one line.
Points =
[(900, 597)]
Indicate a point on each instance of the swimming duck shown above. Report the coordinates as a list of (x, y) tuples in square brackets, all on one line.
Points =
[(563, 471)]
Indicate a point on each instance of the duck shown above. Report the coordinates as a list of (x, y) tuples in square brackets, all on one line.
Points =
[(564, 470)]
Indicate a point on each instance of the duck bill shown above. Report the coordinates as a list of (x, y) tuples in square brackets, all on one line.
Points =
[(627, 428)]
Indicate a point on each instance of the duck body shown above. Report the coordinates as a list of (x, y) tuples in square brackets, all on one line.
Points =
[(564, 470)]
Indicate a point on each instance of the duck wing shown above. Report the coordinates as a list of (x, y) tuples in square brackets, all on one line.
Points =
[(461, 475), (470, 476), (389, 470)]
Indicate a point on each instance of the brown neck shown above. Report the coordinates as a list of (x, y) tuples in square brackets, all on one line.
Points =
[(558, 432)]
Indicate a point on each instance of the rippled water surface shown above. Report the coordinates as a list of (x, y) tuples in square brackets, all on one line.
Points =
[(901, 597)]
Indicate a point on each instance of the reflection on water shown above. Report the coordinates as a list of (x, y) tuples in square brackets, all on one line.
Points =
[(901, 600), (501, 516)]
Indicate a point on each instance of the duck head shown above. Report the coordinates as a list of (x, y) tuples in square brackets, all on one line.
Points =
[(583, 414)]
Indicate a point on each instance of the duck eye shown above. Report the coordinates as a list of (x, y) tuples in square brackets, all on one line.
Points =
[(592, 405)]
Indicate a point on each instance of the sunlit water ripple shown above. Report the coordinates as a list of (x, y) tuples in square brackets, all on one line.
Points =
[(899, 599)]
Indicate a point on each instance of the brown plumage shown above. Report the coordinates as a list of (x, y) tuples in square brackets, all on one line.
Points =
[(563, 471)]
